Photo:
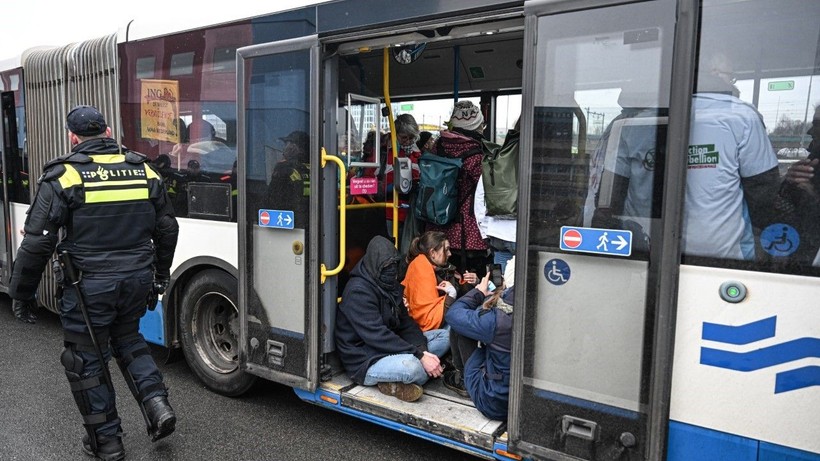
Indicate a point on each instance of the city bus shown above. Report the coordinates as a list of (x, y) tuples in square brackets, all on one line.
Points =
[(638, 332)]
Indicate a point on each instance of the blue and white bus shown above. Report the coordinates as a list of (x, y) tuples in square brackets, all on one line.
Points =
[(667, 287)]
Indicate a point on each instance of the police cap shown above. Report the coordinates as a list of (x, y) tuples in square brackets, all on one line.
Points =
[(85, 121), (300, 138)]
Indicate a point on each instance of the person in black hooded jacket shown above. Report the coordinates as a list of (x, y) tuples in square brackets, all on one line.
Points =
[(378, 342)]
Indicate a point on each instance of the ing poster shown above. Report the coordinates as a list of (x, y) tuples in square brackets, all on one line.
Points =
[(159, 110)]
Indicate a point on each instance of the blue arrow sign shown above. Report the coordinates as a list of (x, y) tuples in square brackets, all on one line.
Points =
[(279, 219), (600, 241)]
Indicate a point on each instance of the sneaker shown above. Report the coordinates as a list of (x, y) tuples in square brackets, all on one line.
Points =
[(402, 391), (454, 381), (162, 417), (109, 448)]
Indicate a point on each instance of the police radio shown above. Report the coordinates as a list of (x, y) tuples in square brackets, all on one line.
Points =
[(402, 175)]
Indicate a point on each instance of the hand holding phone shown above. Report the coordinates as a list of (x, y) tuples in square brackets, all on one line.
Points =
[(496, 276)]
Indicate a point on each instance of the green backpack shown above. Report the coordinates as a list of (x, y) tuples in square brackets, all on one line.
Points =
[(437, 199), (499, 172)]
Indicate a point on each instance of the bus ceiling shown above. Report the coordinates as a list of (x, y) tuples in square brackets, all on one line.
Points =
[(469, 59), (433, 34)]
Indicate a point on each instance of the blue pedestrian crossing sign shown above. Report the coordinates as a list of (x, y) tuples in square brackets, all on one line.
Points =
[(279, 219), (600, 241)]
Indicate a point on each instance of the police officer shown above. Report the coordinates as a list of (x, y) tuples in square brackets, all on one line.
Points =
[(120, 233), (290, 181)]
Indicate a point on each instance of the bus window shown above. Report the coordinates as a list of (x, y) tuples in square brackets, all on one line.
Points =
[(751, 116)]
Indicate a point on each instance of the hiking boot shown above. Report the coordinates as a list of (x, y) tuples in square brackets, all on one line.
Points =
[(162, 417), (402, 391), (454, 381), (109, 448)]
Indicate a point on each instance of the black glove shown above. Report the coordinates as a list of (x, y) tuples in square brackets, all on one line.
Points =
[(158, 288), (161, 283), (23, 310)]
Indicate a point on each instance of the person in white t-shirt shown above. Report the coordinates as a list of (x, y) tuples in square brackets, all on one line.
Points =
[(499, 231), (732, 174)]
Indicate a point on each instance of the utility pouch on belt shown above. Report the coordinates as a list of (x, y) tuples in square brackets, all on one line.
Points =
[(64, 270), (59, 278)]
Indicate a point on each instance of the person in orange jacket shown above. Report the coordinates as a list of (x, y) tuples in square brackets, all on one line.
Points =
[(431, 284)]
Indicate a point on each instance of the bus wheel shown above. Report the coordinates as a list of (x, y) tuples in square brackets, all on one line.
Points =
[(210, 332)]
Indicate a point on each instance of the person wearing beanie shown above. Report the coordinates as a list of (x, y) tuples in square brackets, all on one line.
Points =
[(466, 116), (464, 140), (486, 375), (426, 142)]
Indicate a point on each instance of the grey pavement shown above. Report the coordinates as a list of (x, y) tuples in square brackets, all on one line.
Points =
[(39, 419)]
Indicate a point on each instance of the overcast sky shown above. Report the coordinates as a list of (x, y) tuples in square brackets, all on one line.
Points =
[(30, 23)]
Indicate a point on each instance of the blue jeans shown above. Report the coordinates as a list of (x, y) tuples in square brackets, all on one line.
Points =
[(406, 368), (503, 251)]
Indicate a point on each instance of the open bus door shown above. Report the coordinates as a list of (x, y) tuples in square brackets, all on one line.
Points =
[(583, 369), (10, 153), (277, 108)]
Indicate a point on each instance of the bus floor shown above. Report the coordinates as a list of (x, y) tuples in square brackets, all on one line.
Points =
[(439, 411)]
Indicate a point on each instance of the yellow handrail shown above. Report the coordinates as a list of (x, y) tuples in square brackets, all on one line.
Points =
[(386, 80), (342, 214)]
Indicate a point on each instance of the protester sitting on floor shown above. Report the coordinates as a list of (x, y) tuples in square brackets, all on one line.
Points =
[(378, 343), (486, 368), (431, 284)]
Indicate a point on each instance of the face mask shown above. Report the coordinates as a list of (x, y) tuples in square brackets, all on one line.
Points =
[(388, 275)]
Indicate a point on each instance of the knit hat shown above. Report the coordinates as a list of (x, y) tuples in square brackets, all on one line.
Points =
[(424, 136), (466, 116)]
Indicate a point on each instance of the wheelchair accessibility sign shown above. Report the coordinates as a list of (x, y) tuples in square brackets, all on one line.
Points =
[(614, 242), (557, 271), (780, 239)]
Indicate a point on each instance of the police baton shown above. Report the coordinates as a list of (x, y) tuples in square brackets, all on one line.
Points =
[(70, 276)]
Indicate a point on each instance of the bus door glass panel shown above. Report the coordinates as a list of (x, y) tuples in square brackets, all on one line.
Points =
[(601, 95), (747, 318), (279, 152), (360, 145), (361, 129), (10, 152)]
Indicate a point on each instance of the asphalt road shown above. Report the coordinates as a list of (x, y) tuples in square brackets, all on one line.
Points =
[(39, 419)]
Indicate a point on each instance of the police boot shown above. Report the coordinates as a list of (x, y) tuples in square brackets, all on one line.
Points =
[(23, 311), (160, 416), (109, 448)]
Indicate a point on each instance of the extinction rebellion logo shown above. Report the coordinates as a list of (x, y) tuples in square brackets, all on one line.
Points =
[(703, 156)]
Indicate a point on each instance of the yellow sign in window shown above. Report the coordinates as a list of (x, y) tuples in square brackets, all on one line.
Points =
[(159, 110)]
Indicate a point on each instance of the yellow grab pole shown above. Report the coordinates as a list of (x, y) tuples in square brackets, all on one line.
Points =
[(342, 214), (386, 80)]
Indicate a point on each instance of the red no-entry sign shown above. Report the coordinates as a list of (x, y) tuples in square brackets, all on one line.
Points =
[(572, 238)]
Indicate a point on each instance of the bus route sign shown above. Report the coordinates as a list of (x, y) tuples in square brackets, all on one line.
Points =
[(614, 242), (279, 219)]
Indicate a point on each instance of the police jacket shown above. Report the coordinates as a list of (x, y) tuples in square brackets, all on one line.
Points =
[(113, 207), (290, 189)]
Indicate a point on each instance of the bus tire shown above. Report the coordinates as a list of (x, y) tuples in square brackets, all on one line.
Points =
[(209, 330)]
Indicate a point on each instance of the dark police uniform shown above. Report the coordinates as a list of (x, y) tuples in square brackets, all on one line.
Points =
[(119, 229), (290, 181)]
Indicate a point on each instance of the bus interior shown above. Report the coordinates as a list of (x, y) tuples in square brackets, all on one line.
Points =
[(480, 62)]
